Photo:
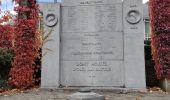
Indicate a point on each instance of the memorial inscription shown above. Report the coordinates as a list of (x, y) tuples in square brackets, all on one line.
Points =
[(96, 43), (97, 18), (92, 41), (93, 46)]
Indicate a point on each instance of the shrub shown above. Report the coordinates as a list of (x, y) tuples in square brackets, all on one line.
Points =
[(6, 57)]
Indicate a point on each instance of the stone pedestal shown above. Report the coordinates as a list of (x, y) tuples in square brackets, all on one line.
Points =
[(165, 85), (85, 96)]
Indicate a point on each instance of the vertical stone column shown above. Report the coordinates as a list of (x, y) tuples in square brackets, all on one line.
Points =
[(50, 50), (134, 44)]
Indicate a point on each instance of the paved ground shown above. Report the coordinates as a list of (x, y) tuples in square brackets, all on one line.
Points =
[(37, 94)]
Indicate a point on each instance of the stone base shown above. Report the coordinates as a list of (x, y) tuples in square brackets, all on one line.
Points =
[(165, 85), (85, 96)]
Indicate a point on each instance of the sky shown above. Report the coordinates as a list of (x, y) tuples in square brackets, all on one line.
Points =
[(6, 5), (144, 1)]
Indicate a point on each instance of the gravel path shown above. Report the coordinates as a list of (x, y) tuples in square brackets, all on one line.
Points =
[(37, 94)]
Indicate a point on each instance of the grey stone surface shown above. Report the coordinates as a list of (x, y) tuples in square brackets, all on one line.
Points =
[(134, 46), (89, 2), (50, 59), (92, 43), (102, 44), (165, 84), (133, 5), (85, 96)]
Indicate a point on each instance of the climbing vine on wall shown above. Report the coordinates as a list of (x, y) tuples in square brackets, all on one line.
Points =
[(160, 28), (6, 31), (6, 36), (26, 45)]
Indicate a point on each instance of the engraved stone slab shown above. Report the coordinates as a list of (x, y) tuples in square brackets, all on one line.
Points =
[(92, 43), (100, 43), (92, 46), (89, 2), (92, 73), (92, 18)]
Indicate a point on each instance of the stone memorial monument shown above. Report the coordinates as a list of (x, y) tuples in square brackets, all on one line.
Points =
[(96, 43)]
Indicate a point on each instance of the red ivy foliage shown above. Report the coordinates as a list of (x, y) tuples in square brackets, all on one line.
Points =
[(26, 45), (160, 39), (6, 36), (5, 18), (6, 31)]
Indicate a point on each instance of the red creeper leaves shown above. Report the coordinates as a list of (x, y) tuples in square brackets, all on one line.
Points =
[(160, 28), (6, 36), (6, 31), (27, 44)]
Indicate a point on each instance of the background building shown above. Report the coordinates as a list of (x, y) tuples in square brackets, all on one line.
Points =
[(146, 21)]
